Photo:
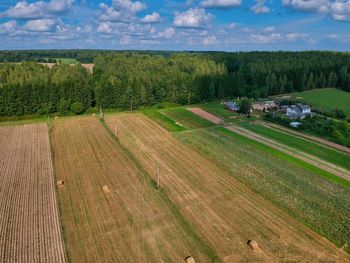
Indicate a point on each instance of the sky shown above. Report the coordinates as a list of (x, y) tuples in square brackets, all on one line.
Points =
[(198, 25)]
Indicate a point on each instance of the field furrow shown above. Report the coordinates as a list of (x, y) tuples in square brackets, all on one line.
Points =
[(29, 223)]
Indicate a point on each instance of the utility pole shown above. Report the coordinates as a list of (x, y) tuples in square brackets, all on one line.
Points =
[(101, 114), (158, 176)]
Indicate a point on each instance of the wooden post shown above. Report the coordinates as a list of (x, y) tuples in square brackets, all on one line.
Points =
[(158, 176), (101, 114)]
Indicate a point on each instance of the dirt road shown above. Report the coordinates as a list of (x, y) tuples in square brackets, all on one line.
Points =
[(206, 115)]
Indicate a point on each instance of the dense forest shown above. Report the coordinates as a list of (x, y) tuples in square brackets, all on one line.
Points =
[(133, 79)]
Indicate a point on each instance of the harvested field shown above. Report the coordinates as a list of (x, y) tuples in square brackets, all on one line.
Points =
[(29, 222), (111, 211), (225, 212), (206, 115)]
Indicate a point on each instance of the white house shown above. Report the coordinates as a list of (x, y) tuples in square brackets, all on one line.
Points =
[(299, 111)]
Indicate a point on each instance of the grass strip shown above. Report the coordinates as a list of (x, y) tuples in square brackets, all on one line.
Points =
[(164, 121), (306, 166)]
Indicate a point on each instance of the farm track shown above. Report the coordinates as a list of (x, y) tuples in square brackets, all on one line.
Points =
[(323, 142), (29, 222), (110, 211), (222, 209), (206, 115), (327, 166)]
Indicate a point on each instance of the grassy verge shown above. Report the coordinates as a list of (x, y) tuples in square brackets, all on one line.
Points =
[(166, 122), (304, 145), (175, 210), (311, 199), (306, 166), (217, 109), (186, 118)]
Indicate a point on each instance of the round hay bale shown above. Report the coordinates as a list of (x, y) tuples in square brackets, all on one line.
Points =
[(253, 245), (190, 259), (60, 183), (94, 114), (105, 189), (56, 117)]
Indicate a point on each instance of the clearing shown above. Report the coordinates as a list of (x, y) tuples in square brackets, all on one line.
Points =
[(111, 211), (325, 99), (29, 221), (224, 211)]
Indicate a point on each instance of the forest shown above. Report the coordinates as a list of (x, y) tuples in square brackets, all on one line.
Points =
[(131, 79)]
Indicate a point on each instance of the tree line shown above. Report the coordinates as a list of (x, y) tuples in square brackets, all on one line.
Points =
[(130, 80)]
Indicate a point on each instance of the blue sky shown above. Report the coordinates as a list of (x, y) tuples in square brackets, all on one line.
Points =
[(228, 25)]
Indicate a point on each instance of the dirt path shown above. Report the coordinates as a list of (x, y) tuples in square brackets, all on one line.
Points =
[(29, 221), (206, 115), (310, 137), (224, 211), (110, 212), (293, 152)]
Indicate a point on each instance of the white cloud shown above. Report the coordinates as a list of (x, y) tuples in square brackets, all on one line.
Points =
[(193, 18), (341, 10), (39, 9), (232, 25), (308, 5), (153, 18), (208, 41), (221, 3), (120, 11), (167, 33), (260, 7), (8, 27), (40, 25)]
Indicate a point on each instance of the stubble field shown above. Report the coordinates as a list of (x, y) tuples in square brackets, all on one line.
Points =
[(224, 211), (111, 211)]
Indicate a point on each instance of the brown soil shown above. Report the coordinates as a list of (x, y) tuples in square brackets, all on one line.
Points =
[(206, 115), (29, 221), (224, 211), (110, 212)]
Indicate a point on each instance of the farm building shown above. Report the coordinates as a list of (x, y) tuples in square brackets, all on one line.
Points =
[(231, 105), (299, 111), (261, 105)]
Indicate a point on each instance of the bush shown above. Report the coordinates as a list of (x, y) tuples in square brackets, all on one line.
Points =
[(77, 108), (245, 107), (63, 106)]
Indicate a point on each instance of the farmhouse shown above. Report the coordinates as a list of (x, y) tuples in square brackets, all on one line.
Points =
[(231, 105), (299, 111)]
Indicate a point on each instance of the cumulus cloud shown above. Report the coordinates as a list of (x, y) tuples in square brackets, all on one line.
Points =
[(167, 33), (341, 10), (221, 3), (260, 7), (38, 10), (308, 5), (8, 27), (193, 18), (120, 11), (153, 18), (209, 41), (40, 25)]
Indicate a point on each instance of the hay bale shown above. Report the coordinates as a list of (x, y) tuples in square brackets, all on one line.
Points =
[(94, 114), (253, 245), (190, 259), (60, 183), (105, 189), (56, 117)]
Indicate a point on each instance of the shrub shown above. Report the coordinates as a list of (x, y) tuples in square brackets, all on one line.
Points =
[(77, 108)]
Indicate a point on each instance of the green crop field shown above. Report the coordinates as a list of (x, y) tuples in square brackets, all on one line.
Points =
[(306, 196), (165, 121), (326, 99), (66, 60), (304, 145), (186, 118)]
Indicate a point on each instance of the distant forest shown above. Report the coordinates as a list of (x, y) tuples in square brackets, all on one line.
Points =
[(125, 79)]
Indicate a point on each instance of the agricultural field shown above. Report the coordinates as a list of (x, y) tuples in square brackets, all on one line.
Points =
[(29, 220), (324, 153), (225, 212), (325, 99), (217, 109), (111, 210)]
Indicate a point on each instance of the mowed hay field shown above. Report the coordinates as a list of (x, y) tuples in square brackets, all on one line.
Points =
[(225, 212), (29, 222), (110, 211)]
